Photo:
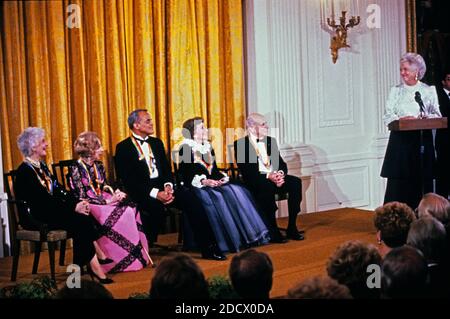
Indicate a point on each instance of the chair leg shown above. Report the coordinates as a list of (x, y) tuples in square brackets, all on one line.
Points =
[(16, 254), (51, 256), (37, 254), (62, 252)]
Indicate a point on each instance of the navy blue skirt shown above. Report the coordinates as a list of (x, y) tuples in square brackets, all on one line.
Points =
[(233, 217)]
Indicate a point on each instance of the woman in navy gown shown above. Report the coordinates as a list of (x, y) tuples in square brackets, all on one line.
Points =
[(230, 208)]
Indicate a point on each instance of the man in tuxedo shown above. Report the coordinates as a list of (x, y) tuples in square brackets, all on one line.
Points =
[(442, 140), (265, 173), (142, 166)]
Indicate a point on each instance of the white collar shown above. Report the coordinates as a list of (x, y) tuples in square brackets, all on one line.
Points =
[(197, 147), (447, 92), (254, 139), (140, 137)]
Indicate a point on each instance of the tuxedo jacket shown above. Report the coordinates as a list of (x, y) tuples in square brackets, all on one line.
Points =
[(189, 169), (442, 135), (135, 174), (247, 160)]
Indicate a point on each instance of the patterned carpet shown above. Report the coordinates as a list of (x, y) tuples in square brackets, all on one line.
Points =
[(293, 261)]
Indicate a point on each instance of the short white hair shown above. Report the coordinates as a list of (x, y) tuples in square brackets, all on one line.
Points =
[(416, 61), (28, 139), (251, 121)]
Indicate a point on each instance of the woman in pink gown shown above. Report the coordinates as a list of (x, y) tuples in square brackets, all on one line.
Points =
[(119, 223)]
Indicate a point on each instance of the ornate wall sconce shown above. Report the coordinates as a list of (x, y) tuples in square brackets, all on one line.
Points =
[(339, 40), (338, 31)]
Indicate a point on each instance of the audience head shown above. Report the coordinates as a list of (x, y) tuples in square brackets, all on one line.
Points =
[(436, 206), (392, 222), (257, 125), (428, 235), (178, 276), (140, 122), (412, 68), (88, 146), (404, 273), (348, 265), (194, 128), (319, 288), (251, 274), (32, 142), (88, 290)]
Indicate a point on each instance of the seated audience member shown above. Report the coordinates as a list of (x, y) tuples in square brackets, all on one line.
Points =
[(50, 204), (251, 274), (88, 290), (265, 173), (122, 238), (436, 206), (230, 208), (348, 265), (319, 288), (392, 222), (404, 274), (178, 277), (428, 235)]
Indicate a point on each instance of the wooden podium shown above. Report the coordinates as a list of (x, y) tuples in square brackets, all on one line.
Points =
[(418, 124)]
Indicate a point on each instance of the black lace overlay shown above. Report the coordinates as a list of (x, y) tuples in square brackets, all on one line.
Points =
[(134, 251)]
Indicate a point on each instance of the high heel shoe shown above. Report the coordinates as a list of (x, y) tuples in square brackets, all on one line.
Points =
[(105, 261), (103, 281)]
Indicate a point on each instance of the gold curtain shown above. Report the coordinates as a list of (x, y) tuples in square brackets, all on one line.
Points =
[(177, 58)]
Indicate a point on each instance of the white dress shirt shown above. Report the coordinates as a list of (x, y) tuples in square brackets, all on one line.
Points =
[(401, 102), (151, 163), (263, 157)]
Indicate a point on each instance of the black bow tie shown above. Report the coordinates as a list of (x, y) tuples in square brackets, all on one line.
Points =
[(142, 141)]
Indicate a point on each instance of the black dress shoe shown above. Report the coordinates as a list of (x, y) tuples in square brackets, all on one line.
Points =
[(295, 235), (104, 281), (213, 256), (278, 239), (105, 261)]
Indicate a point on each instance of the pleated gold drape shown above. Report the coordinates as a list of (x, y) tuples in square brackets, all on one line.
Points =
[(177, 58)]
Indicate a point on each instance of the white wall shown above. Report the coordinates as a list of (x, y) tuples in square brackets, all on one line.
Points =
[(328, 117)]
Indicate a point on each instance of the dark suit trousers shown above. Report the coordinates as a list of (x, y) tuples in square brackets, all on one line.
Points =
[(152, 217), (197, 219), (264, 194)]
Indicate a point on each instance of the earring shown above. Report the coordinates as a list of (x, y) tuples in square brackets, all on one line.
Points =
[(417, 78), (379, 241)]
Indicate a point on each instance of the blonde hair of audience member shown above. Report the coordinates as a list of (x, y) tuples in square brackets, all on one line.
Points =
[(319, 288), (392, 222), (436, 206), (348, 265)]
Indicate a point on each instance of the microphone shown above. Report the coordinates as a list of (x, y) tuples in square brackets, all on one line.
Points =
[(419, 101)]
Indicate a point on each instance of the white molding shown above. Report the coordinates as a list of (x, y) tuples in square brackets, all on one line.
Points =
[(345, 176)]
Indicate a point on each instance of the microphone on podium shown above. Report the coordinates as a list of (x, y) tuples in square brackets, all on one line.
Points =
[(419, 101)]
